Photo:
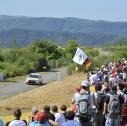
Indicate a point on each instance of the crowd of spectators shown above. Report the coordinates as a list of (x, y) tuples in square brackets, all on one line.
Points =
[(107, 106), (45, 117)]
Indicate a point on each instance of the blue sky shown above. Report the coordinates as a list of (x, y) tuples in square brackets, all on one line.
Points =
[(112, 10)]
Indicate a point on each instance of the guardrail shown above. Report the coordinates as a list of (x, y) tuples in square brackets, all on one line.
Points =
[(55, 76)]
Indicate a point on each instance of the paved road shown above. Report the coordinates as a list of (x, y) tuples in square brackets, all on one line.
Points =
[(10, 89)]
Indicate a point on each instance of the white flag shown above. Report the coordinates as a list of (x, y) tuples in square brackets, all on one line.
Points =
[(79, 56)]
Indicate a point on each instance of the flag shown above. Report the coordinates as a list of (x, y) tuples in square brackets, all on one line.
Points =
[(87, 63), (80, 57)]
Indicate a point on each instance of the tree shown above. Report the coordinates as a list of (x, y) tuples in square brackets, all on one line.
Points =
[(11, 55), (71, 47)]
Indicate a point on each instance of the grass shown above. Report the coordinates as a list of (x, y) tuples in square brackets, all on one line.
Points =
[(16, 79), (56, 93), (13, 79)]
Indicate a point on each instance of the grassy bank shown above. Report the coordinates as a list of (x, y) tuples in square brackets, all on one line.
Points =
[(56, 93)]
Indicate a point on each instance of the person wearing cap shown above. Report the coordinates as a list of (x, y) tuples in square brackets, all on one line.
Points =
[(34, 112), (40, 120), (85, 95)]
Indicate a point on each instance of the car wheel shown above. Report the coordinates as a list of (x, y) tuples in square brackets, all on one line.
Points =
[(41, 83)]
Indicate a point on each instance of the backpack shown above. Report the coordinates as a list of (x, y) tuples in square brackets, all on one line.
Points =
[(83, 104), (114, 105), (100, 101)]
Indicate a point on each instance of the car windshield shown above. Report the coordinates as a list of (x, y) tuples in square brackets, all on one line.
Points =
[(34, 76)]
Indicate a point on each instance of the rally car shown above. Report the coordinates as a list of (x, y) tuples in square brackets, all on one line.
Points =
[(34, 78)]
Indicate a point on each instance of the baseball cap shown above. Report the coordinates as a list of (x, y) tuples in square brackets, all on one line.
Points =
[(35, 110), (85, 83), (40, 116)]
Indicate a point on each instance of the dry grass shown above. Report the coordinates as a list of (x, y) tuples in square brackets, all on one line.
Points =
[(56, 93), (13, 80)]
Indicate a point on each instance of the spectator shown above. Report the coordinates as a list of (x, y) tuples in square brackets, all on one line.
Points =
[(58, 116), (111, 81), (17, 121), (7, 124), (48, 115), (70, 119), (34, 112), (124, 109), (40, 120), (100, 97), (1, 122), (63, 109), (124, 71), (74, 100), (125, 83), (125, 96), (120, 89), (85, 103), (113, 109)]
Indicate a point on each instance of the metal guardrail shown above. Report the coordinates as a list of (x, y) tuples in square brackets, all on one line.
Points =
[(55, 76)]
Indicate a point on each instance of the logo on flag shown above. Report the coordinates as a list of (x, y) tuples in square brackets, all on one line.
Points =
[(81, 58)]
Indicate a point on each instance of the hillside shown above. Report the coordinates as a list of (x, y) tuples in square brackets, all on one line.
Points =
[(62, 24), (47, 94), (24, 37), (86, 32)]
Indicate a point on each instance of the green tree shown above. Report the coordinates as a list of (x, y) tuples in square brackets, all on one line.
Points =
[(71, 47), (11, 55)]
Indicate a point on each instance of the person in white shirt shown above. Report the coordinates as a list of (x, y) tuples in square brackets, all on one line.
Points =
[(17, 121), (59, 117)]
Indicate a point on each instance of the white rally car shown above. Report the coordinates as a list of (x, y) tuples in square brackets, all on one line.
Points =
[(34, 78)]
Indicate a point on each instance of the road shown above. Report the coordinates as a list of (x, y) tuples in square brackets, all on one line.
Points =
[(10, 89)]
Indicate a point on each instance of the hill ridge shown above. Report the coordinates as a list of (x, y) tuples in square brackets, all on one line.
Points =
[(86, 32)]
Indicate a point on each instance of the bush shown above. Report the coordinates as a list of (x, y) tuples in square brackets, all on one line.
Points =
[(72, 68)]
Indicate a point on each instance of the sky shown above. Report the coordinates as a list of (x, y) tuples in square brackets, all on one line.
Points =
[(110, 10)]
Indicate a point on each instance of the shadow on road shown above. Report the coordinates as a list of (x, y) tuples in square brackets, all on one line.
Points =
[(38, 84), (9, 81)]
